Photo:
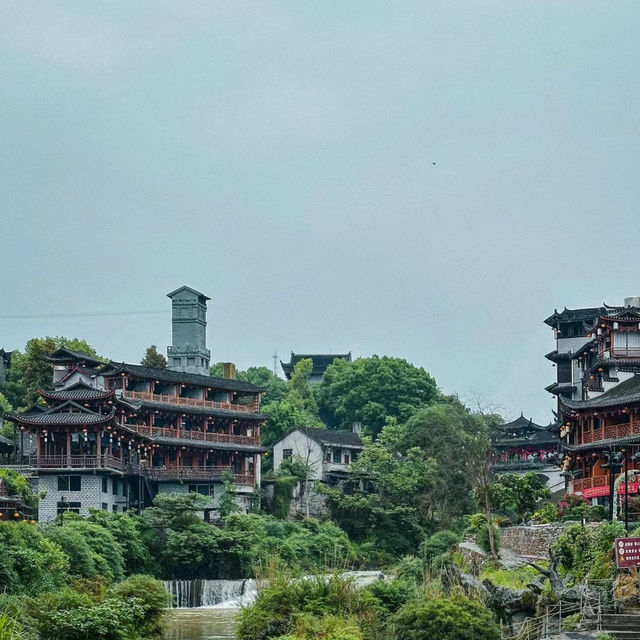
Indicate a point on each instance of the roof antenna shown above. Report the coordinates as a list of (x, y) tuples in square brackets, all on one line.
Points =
[(275, 363)]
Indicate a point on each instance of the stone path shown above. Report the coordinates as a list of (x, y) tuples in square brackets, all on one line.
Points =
[(509, 559)]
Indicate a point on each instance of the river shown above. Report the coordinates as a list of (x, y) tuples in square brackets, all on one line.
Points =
[(200, 624)]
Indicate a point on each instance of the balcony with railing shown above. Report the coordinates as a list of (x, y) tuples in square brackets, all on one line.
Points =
[(197, 436), (109, 463), (612, 432), (619, 352), (187, 402), (580, 484)]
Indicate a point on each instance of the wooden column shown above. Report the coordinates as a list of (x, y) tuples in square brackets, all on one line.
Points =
[(99, 444), (69, 448)]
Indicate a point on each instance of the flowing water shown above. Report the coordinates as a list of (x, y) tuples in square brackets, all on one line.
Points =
[(227, 594), (206, 609), (200, 624)]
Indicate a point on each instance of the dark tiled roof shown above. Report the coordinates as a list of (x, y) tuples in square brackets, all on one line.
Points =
[(5, 443), (573, 315), (178, 408), (64, 355), (78, 415), (626, 392), (332, 436), (558, 387), (220, 446), (78, 391), (180, 377), (521, 423), (321, 361)]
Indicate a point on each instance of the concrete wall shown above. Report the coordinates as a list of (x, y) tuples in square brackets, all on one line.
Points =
[(304, 448)]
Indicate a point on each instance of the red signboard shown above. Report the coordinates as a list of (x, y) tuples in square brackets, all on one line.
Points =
[(627, 552), (594, 492)]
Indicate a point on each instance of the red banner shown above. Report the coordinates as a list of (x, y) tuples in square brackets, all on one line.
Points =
[(596, 492), (627, 552)]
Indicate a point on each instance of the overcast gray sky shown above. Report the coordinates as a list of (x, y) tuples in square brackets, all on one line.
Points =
[(279, 156)]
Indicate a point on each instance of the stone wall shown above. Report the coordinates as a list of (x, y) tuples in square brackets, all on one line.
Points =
[(317, 503), (531, 541)]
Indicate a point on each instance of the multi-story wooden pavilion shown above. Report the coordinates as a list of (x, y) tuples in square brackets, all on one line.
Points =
[(114, 437), (600, 414)]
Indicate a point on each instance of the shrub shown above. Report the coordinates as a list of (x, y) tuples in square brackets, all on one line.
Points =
[(455, 618), (388, 597), (150, 594), (307, 627), (439, 543), (571, 622), (274, 612), (548, 512), (29, 563), (111, 619)]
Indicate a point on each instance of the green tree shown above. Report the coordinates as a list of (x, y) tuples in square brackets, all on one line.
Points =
[(228, 504), (7, 428), (127, 529), (31, 370), (93, 551), (518, 492), (389, 513), (152, 358), (263, 377), (369, 390), (450, 433)]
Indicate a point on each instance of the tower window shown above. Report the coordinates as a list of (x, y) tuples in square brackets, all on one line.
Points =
[(177, 362), (191, 362)]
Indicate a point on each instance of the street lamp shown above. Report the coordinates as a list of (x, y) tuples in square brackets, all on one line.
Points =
[(613, 462)]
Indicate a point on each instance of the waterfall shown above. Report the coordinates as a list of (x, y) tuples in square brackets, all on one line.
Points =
[(233, 594), (188, 594)]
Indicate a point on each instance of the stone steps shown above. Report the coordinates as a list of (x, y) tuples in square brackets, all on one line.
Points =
[(622, 626)]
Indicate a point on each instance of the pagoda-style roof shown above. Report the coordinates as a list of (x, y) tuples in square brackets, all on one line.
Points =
[(68, 413), (68, 355), (520, 423), (321, 361), (627, 392), (557, 388), (179, 377), (77, 391), (572, 315)]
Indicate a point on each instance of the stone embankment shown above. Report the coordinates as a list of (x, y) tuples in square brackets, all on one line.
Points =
[(531, 541)]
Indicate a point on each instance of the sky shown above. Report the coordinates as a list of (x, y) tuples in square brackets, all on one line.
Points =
[(426, 180)]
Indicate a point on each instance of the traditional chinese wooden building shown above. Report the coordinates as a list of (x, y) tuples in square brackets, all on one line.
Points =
[(600, 413), (523, 445), (113, 435)]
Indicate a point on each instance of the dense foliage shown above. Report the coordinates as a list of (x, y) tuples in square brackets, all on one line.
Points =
[(371, 390), (519, 493), (333, 608)]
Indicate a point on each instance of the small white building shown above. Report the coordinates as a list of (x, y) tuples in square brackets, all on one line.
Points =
[(327, 453)]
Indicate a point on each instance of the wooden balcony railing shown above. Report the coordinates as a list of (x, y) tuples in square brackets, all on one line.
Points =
[(153, 473), (192, 434), (78, 462), (580, 484), (612, 431), (196, 473), (188, 402)]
